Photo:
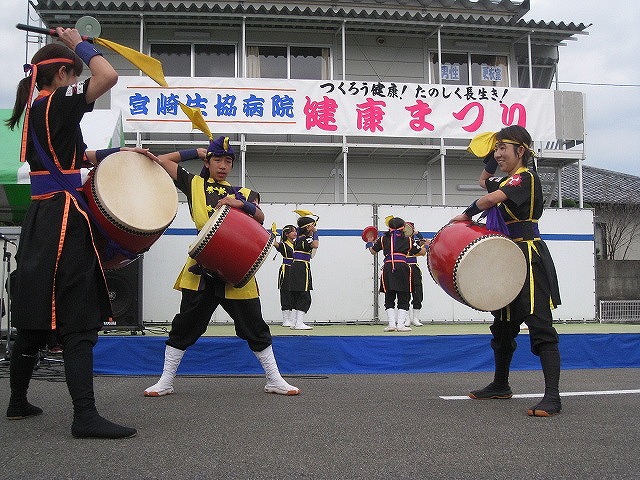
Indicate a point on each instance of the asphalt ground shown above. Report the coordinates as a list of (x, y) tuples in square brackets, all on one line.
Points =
[(395, 426)]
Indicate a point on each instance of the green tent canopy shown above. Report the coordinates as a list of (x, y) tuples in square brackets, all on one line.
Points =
[(101, 129)]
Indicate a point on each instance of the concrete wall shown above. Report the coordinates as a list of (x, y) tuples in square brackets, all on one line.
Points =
[(618, 279)]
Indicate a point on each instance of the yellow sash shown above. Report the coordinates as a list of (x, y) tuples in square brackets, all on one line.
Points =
[(200, 215)]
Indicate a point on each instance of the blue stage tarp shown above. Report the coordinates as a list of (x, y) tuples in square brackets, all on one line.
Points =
[(143, 355)]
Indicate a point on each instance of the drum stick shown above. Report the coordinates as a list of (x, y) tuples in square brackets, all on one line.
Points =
[(46, 31)]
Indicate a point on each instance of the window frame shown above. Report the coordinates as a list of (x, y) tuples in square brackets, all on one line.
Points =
[(192, 59), (435, 68), (288, 47)]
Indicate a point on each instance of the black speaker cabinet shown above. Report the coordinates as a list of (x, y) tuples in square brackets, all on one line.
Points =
[(125, 293)]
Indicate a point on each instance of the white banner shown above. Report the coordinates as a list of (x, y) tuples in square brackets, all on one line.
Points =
[(332, 107)]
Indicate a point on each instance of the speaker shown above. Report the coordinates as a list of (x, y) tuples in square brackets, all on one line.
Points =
[(125, 293)]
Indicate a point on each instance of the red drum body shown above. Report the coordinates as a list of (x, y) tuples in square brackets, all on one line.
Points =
[(369, 234), (481, 268), (232, 245), (133, 200)]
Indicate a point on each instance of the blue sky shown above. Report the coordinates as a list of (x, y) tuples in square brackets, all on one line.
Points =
[(603, 64)]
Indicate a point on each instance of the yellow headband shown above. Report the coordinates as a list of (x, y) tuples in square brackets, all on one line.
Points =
[(483, 144)]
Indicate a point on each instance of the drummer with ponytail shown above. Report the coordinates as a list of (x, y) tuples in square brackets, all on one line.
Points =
[(513, 206), (59, 286)]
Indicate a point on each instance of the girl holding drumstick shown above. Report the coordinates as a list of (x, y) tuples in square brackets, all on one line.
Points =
[(59, 284)]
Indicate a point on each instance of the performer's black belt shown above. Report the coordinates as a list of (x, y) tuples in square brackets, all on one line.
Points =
[(523, 230)]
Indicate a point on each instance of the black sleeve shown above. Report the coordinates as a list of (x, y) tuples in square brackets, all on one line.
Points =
[(183, 181), (518, 188), (493, 183)]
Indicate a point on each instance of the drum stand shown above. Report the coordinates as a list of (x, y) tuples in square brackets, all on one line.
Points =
[(5, 299), (42, 357)]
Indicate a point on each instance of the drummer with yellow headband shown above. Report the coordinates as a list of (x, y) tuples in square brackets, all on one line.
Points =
[(513, 206), (203, 292), (305, 245)]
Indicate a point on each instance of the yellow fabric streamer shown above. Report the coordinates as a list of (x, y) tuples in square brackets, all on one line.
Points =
[(197, 120), (305, 213), (146, 64), (483, 144)]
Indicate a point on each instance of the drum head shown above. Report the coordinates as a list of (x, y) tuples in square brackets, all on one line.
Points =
[(136, 192), (490, 273)]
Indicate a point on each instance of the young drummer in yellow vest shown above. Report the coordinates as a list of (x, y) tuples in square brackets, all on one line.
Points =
[(203, 292)]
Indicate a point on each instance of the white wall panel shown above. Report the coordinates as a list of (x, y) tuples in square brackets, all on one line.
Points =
[(343, 271)]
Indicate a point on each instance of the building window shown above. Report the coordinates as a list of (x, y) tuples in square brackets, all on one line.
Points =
[(454, 70), (175, 59), (288, 62), (542, 75), (214, 60), (208, 60), (486, 70), (489, 70), (267, 62), (309, 62)]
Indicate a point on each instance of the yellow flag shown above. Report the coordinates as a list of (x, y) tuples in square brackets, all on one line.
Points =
[(304, 213), (197, 120), (482, 144), (146, 64)]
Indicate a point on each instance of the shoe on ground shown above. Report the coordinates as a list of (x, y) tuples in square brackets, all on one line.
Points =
[(492, 391), (402, 328), (282, 389), (546, 408), (301, 326), (157, 391), (92, 425), (18, 412), (389, 329), (415, 323)]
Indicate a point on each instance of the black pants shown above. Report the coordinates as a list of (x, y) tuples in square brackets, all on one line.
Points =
[(286, 303), (403, 300), (78, 363), (417, 294), (196, 309), (542, 334), (301, 301)]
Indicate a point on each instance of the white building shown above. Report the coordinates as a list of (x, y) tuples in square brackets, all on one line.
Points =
[(351, 109)]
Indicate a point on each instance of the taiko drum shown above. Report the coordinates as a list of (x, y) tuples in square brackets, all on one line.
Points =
[(133, 200), (232, 245), (478, 267)]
